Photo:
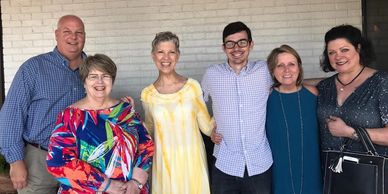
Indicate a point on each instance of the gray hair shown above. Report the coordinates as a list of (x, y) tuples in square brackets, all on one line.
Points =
[(164, 37)]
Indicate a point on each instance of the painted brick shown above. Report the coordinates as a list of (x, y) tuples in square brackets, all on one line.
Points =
[(124, 30)]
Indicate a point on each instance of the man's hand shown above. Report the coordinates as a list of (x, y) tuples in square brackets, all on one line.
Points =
[(215, 137), (18, 173)]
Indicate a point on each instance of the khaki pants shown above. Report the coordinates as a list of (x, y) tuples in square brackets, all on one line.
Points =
[(39, 181)]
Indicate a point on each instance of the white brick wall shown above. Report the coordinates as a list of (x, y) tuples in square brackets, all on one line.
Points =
[(124, 31)]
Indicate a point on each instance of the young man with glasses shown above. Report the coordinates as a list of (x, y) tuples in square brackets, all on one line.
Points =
[(239, 89)]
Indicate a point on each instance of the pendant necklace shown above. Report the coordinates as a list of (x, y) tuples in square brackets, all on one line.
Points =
[(344, 85), (289, 146)]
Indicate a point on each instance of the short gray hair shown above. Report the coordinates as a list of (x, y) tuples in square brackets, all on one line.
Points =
[(164, 37)]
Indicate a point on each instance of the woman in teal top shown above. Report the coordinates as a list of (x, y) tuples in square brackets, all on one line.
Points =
[(291, 125)]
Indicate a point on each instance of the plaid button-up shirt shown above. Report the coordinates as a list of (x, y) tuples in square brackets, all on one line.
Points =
[(43, 86), (239, 104)]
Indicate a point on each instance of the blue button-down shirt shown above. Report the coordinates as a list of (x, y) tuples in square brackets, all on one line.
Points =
[(239, 104), (43, 86)]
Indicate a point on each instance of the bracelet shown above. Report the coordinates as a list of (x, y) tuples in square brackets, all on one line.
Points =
[(138, 184), (107, 185), (355, 136)]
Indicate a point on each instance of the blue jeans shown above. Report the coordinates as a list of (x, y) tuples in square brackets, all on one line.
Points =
[(226, 184)]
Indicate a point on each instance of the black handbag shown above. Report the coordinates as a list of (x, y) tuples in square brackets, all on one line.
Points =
[(348, 172)]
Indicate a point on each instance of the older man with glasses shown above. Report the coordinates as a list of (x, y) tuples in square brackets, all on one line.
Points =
[(239, 89)]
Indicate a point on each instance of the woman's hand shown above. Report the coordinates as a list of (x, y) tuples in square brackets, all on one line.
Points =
[(128, 99), (115, 187), (215, 137), (338, 127), (131, 187), (139, 179)]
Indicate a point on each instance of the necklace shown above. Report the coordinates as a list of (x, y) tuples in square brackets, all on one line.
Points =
[(344, 85), (288, 143)]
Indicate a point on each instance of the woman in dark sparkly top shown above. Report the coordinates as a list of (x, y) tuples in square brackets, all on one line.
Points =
[(357, 96)]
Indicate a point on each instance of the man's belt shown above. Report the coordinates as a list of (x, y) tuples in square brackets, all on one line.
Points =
[(37, 146)]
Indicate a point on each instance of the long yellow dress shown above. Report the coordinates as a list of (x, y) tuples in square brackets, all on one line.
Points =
[(179, 163)]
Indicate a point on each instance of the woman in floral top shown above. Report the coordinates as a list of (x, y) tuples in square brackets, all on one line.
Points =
[(99, 144)]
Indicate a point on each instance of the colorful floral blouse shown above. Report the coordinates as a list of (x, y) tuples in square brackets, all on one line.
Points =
[(87, 146)]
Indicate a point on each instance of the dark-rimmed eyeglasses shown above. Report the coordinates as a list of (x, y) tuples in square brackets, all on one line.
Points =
[(241, 43)]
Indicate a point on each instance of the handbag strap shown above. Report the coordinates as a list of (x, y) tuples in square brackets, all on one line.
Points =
[(345, 144), (366, 141), (336, 164)]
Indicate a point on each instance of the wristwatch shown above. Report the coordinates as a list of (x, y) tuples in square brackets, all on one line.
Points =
[(139, 185)]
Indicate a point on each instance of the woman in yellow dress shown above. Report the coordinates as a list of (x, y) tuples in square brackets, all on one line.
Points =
[(175, 112)]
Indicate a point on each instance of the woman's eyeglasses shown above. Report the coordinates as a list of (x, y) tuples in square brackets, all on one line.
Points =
[(96, 77)]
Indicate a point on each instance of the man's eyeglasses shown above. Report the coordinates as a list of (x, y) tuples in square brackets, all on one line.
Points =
[(95, 77), (241, 43)]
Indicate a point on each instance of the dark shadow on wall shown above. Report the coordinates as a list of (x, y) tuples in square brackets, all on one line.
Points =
[(375, 27), (2, 88), (209, 145)]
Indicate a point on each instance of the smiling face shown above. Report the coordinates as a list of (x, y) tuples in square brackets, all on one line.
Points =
[(287, 70), (237, 56), (98, 84), (70, 37), (343, 56), (165, 57)]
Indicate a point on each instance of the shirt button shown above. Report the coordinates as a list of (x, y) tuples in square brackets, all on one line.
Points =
[(241, 105), (241, 121)]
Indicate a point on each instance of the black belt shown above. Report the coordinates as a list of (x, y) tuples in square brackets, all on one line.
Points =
[(38, 146)]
